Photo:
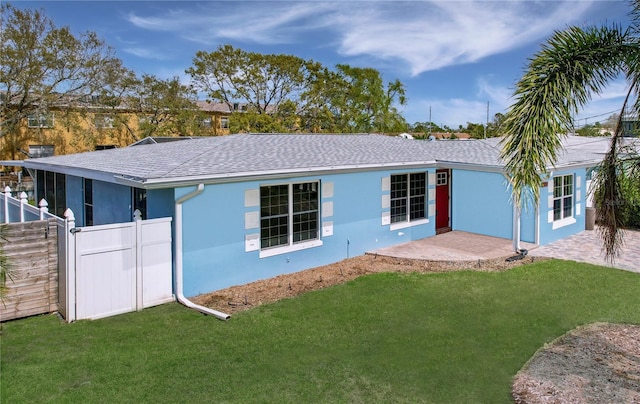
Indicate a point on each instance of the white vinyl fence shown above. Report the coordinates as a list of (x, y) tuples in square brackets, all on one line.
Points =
[(105, 270), (18, 209), (118, 268)]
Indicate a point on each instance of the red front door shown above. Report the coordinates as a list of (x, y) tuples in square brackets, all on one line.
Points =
[(443, 179)]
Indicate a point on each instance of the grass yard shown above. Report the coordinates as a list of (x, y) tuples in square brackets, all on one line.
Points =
[(456, 337)]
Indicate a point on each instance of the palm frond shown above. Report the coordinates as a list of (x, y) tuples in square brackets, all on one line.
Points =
[(572, 66)]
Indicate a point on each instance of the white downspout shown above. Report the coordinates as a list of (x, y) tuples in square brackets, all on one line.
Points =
[(515, 241), (178, 280), (516, 228)]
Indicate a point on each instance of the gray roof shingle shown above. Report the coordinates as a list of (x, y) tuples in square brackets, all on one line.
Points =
[(237, 155)]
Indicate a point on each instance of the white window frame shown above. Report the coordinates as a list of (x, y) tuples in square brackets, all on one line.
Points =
[(292, 245), (103, 121), (41, 120), (408, 222), (207, 123), (224, 122), (561, 197)]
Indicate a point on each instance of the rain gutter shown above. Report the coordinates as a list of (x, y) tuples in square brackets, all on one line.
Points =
[(179, 273)]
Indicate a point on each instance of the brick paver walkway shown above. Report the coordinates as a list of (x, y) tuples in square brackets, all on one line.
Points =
[(461, 246), (586, 246)]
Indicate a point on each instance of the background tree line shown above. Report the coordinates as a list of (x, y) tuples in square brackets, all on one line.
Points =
[(44, 67)]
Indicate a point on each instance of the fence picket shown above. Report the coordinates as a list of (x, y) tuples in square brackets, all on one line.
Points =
[(7, 195), (23, 203)]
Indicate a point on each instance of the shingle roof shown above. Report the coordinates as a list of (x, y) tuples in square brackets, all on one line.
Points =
[(245, 155)]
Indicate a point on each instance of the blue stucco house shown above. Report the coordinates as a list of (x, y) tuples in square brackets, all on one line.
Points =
[(249, 207)]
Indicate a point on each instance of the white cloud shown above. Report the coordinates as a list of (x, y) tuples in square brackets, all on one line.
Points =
[(458, 111), (146, 53), (434, 34), (258, 22), (420, 35), (498, 96), (451, 112)]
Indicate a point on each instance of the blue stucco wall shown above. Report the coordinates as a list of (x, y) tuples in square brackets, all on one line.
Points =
[(481, 203), (214, 250), (528, 224), (547, 233)]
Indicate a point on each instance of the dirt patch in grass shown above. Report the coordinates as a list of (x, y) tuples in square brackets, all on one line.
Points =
[(597, 363), (242, 297)]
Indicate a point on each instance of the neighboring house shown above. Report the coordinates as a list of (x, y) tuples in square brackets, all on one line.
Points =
[(249, 207), (630, 127), (88, 126), (449, 135)]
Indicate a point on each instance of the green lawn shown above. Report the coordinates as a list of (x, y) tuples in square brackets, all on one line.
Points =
[(450, 337)]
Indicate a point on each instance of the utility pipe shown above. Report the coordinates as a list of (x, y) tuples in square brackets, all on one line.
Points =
[(178, 280), (515, 224), (516, 228)]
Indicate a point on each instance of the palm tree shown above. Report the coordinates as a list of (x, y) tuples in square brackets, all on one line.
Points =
[(572, 66)]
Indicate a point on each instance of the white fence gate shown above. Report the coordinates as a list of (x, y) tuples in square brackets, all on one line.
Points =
[(118, 268), (104, 270)]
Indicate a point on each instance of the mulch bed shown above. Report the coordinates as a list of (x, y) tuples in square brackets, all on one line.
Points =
[(596, 363), (242, 297)]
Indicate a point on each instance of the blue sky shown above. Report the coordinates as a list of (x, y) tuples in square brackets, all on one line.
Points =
[(453, 56)]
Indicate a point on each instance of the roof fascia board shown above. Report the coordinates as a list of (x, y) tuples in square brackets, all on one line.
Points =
[(470, 166), (569, 166), (265, 175), (74, 171)]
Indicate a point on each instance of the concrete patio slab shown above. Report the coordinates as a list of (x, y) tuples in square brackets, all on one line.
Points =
[(460, 246), (453, 246)]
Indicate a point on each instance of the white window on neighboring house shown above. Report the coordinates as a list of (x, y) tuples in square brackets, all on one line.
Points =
[(408, 197), (103, 121), (289, 214), (224, 122), (562, 197), (40, 120), (206, 123), (147, 120)]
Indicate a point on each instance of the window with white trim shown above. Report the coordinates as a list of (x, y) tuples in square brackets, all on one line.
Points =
[(207, 123), (40, 120), (288, 214), (102, 121), (562, 197), (408, 197), (224, 122)]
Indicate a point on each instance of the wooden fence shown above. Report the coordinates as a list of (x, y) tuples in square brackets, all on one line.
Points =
[(82, 272), (32, 252)]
